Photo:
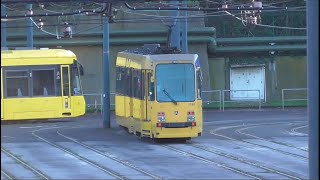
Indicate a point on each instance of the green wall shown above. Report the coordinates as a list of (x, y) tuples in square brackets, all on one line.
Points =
[(291, 72)]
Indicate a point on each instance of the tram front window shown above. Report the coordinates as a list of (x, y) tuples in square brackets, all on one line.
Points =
[(175, 83)]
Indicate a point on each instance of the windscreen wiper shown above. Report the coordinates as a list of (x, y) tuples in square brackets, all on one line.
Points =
[(172, 100)]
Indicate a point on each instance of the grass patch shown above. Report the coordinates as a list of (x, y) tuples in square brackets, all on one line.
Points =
[(216, 105), (235, 105), (97, 110)]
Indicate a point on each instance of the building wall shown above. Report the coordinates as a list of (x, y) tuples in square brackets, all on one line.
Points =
[(290, 72)]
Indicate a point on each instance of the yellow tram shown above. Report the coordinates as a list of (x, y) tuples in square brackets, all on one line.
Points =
[(40, 84), (158, 95)]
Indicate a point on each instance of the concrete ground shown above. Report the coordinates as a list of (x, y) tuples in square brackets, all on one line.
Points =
[(236, 144)]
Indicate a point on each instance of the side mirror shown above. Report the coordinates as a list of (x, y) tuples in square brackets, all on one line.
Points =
[(78, 65), (81, 70)]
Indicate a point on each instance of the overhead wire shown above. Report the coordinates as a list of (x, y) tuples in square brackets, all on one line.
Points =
[(41, 28), (264, 25), (180, 18)]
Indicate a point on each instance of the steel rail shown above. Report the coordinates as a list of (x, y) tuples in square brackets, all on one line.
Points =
[(7, 175), (282, 152), (34, 170), (257, 137), (104, 169), (212, 162), (294, 130), (242, 160), (109, 156)]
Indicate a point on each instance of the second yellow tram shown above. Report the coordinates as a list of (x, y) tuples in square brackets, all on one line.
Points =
[(159, 95)]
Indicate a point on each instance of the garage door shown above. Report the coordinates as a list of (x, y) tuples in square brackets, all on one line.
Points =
[(245, 81)]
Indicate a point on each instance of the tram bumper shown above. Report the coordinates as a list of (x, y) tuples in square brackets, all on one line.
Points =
[(170, 130)]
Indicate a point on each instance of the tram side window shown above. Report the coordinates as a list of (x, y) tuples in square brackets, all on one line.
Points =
[(129, 82), (17, 83), (199, 83), (58, 81), (65, 80), (137, 84), (143, 86), (121, 78), (151, 96), (75, 78), (118, 79), (43, 83)]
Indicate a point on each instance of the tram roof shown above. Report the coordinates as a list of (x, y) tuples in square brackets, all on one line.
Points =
[(37, 53), (36, 57), (141, 61), (159, 57)]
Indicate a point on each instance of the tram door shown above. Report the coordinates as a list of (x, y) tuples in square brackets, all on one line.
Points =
[(150, 96), (65, 87)]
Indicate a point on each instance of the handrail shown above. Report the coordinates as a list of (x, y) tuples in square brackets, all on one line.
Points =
[(251, 98), (221, 97), (213, 91), (292, 89), (96, 101)]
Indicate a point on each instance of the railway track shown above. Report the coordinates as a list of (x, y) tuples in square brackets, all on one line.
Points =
[(37, 172), (110, 156), (81, 158), (214, 132), (236, 170), (240, 131), (294, 130), (7, 175), (242, 160)]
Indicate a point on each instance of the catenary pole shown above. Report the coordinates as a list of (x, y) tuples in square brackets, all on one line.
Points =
[(29, 28), (313, 86), (175, 33), (185, 30), (106, 90)]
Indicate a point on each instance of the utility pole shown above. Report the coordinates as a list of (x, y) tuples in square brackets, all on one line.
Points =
[(175, 33), (313, 86), (105, 78), (185, 30), (29, 27), (3, 28)]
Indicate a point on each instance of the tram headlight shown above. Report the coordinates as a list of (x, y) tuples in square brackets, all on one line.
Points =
[(191, 116), (161, 117)]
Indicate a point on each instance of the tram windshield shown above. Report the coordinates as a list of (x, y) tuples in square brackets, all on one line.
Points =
[(175, 83), (75, 78)]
